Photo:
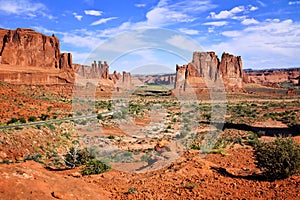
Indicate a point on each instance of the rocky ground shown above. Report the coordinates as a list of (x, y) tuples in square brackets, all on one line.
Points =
[(191, 177), (28, 155)]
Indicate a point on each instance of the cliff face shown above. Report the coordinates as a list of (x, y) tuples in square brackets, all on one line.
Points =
[(273, 76), (205, 69), (23, 49), (95, 71)]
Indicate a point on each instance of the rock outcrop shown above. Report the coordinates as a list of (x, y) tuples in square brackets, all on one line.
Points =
[(272, 77), (126, 80), (206, 70), (95, 71), (29, 57), (25, 47), (164, 79)]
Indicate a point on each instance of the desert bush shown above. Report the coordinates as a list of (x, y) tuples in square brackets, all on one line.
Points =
[(278, 159), (22, 120), (32, 118), (95, 166), (76, 157), (12, 121)]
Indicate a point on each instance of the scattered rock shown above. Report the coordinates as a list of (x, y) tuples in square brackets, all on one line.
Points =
[(56, 195)]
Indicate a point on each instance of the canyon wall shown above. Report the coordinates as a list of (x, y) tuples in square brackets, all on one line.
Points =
[(206, 70)]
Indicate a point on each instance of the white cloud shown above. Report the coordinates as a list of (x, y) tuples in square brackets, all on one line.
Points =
[(78, 17), (24, 7), (269, 44), (165, 13), (227, 14), (84, 41), (231, 33), (218, 23), (294, 2), (261, 3), (250, 21), (253, 8), (103, 20), (189, 31), (182, 42), (93, 12), (140, 5), (161, 16)]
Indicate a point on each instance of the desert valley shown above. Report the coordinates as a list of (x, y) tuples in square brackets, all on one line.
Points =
[(74, 131)]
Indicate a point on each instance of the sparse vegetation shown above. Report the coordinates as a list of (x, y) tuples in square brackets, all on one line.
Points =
[(278, 159), (94, 166)]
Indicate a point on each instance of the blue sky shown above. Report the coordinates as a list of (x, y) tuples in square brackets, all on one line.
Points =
[(265, 33)]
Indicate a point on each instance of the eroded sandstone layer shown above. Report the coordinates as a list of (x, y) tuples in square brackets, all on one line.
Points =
[(272, 77), (29, 57), (207, 71)]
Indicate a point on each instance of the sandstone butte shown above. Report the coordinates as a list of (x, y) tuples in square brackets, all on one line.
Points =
[(29, 57), (207, 71)]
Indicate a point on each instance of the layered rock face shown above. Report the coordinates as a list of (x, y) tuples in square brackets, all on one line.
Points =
[(126, 80), (273, 76), (206, 70), (95, 71), (165, 79), (25, 47), (29, 57)]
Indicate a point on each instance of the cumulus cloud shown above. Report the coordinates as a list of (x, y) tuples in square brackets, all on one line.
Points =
[(78, 17), (103, 20), (250, 21), (227, 13), (189, 31), (253, 8), (93, 12), (271, 43)]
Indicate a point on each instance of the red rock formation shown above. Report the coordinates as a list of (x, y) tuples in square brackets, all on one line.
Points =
[(272, 77), (115, 76), (230, 70), (23, 49), (206, 69), (126, 80), (180, 77), (95, 71)]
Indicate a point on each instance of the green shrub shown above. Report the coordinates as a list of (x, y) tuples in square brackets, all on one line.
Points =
[(131, 190), (95, 166), (278, 159), (99, 116), (77, 157), (22, 120), (111, 137), (32, 118), (12, 121), (44, 117)]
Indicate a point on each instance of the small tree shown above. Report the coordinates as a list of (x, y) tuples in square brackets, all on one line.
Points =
[(278, 159)]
